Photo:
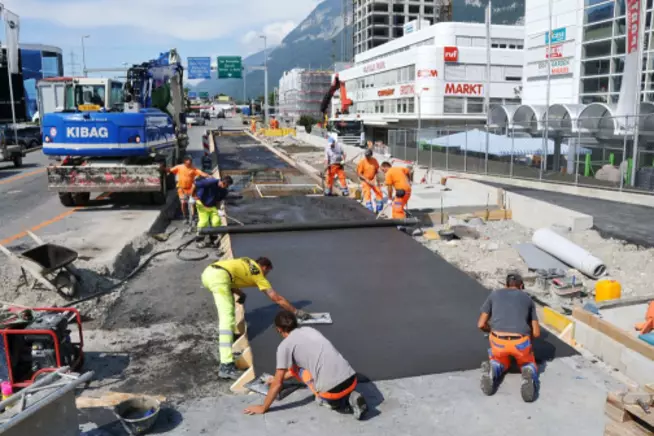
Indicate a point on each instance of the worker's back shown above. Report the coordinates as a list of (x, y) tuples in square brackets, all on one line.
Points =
[(398, 177), (307, 348), (511, 311)]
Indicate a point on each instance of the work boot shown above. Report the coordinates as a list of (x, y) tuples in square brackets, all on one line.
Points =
[(229, 371), (358, 404), (345, 193), (490, 375), (529, 386)]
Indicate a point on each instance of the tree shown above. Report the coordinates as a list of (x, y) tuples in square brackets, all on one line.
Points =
[(186, 90), (271, 98)]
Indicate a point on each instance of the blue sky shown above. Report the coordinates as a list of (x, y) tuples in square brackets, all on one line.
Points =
[(134, 31)]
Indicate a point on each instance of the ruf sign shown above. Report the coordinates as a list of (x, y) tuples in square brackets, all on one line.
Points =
[(451, 54), (464, 88)]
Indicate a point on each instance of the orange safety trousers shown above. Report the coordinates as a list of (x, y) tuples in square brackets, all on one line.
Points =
[(399, 204), (335, 171), (503, 348), (367, 190), (305, 377)]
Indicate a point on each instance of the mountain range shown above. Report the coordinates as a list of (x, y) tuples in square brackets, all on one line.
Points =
[(315, 43)]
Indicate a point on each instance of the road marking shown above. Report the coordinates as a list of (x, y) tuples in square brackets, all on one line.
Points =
[(59, 217), (21, 176)]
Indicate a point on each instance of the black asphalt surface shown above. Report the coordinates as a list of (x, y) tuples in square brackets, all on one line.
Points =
[(624, 221), (244, 153), (399, 310)]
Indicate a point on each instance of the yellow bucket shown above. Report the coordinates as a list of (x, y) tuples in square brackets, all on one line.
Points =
[(607, 290)]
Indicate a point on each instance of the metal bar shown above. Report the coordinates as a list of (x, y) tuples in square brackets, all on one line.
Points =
[(543, 161), (325, 225), (41, 382), (48, 400), (488, 80)]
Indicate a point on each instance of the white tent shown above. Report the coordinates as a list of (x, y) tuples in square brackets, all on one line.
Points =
[(498, 145)]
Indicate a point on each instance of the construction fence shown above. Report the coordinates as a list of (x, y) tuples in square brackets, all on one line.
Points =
[(604, 157)]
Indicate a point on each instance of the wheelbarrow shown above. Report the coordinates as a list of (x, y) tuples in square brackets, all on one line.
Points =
[(50, 265)]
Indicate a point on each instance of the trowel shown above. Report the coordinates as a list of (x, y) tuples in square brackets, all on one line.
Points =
[(259, 386), (316, 318)]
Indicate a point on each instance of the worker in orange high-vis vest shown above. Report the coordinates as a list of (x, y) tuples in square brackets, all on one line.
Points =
[(335, 160), (398, 179), (253, 126), (367, 171)]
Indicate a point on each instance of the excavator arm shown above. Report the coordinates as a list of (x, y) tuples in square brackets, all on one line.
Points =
[(345, 102)]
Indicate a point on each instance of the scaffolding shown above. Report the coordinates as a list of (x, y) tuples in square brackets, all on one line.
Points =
[(301, 92)]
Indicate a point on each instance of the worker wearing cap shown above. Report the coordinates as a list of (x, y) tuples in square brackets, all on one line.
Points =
[(225, 279), (367, 170), (312, 359), (186, 174), (335, 160), (398, 179), (210, 192), (509, 315)]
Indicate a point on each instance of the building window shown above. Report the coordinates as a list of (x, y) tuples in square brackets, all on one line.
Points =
[(475, 105), (411, 102), (596, 67), (598, 31), (455, 72), (595, 85), (597, 49), (600, 12), (453, 105)]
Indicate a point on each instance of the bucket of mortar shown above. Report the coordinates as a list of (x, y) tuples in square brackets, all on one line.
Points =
[(138, 415)]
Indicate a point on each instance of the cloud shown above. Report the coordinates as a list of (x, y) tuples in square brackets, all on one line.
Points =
[(186, 20), (274, 32)]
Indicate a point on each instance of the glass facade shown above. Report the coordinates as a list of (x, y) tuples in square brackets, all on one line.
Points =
[(603, 52), (36, 65)]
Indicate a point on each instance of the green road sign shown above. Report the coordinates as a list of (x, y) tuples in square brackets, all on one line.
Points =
[(204, 95), (230, 67)]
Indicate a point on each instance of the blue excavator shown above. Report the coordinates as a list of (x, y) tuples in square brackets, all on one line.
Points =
[(114, 137)]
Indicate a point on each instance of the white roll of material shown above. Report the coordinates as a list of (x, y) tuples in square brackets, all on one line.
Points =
[(568, 252)]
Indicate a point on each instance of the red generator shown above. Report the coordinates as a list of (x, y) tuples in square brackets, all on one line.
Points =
[(38, 341)]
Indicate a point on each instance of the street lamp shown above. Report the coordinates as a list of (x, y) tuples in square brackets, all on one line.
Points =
[(84, 54), (265, 77)]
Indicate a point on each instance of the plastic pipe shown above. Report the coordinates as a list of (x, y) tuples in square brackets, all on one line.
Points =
[(569, 253), (324, 225)]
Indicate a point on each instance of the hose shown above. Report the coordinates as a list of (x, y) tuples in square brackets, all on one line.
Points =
[(179, 250)]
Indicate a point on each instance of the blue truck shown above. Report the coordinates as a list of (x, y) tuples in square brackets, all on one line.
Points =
[(115, 137)]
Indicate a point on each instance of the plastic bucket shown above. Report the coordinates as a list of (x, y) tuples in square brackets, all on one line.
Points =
[(138, 415)]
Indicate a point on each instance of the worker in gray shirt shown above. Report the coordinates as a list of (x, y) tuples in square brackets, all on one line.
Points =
[(308, 356), (509, 316)]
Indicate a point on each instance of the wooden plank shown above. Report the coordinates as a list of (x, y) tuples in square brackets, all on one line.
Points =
[(110, 399), (245, 359), (494, 215), (614, 409), (554, 319), (614, 332), (629, 428), (241, 344), (238, 387)]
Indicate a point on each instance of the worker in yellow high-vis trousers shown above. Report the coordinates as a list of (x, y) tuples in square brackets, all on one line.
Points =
[(225, 279)]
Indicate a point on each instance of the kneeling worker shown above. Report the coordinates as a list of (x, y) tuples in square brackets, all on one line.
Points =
[(509, 315), (210, 192), (398, 179), (225, 279), (367, 171), (308, 356)]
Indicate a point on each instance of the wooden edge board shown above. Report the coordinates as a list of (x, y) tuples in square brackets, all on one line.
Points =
[(629, 428), (244, 361), (238, 387), (614, 332), (111, 399)]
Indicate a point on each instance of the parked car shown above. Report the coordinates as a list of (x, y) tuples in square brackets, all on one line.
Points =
[(29, 137), (194, 119)]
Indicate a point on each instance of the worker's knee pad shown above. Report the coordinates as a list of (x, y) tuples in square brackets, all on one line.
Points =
[(498, 368), (400, 193)]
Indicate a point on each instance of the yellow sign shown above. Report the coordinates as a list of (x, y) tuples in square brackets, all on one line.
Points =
[(89, 107), (223, 98)]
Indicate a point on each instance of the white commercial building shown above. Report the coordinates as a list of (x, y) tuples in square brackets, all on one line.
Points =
[(301, 92), (438, 74)]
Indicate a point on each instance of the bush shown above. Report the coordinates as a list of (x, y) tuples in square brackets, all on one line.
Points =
[(307, 121)]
